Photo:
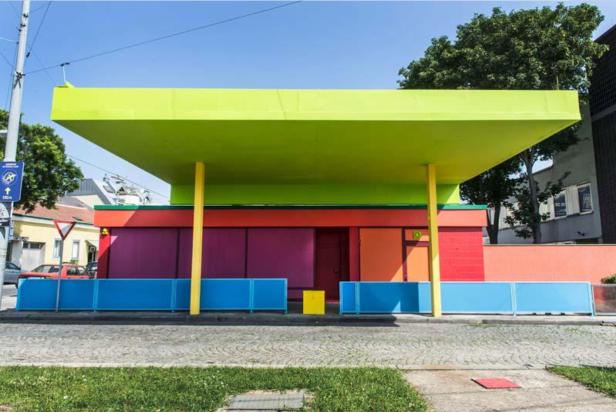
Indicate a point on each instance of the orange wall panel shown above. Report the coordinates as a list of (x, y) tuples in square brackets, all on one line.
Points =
[(417, 263), (380, 256), (587, 263)]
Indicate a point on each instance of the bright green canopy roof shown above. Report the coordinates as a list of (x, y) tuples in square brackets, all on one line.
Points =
[(289, 139)]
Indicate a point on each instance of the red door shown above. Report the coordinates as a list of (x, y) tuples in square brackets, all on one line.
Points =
[(332, 260)]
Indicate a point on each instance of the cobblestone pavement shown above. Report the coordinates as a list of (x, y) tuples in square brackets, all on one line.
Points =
[(405, 346)]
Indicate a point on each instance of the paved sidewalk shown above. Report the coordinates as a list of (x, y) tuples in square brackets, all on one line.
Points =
[(404, 346), (453, 391)]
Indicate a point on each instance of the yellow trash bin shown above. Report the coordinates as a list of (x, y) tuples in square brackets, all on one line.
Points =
[(314, 302)]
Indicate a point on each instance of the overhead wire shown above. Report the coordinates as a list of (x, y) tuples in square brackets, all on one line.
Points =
[(31, 51), (38, 29), (166, 36), (116, 174)]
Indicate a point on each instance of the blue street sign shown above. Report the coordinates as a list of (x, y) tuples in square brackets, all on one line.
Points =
[(11, 176)]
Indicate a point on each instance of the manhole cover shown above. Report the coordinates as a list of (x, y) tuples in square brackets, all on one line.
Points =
[(267, 401)]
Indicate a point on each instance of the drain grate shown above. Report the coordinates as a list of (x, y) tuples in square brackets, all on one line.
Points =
[(268, 401)]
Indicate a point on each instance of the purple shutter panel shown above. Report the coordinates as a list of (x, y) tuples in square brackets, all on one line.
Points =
[(282, 253), (143, 253), (224, 253)]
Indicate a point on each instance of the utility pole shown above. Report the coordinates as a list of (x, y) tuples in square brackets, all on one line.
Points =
[(10, 148)]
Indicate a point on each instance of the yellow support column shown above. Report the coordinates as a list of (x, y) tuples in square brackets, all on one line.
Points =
[(433, 259), (197, 243)]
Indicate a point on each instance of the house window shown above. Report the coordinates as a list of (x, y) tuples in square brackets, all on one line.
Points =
[(560, 205), (56, 248), (75, 251), (585, 198)]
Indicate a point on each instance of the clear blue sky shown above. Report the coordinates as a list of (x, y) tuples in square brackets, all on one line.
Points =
[(306, 45)]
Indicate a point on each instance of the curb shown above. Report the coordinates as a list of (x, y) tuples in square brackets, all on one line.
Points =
[(234, 318)]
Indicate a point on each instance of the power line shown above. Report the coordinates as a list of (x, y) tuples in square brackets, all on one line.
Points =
[(38, 8), (38, 29), (115, 174), (35, 36), (167, 36)]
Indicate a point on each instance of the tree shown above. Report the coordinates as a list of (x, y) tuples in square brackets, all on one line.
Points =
[(536, 49), (492, 188), (48, 172)]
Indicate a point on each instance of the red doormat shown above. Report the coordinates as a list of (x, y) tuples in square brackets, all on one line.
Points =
[(496, 383)]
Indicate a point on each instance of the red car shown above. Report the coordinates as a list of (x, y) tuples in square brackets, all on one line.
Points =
[(50, 271)]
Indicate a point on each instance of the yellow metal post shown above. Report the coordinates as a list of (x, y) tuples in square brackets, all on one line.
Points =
[(197, 243), (433, 259)]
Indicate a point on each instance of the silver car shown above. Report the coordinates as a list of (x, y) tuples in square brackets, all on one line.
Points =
[(11, 273)]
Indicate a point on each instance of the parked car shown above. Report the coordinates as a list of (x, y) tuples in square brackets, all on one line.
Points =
[(11, 273), (92, 268), (50, 271)]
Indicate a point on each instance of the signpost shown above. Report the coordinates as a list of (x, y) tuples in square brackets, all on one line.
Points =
[(12, 129), (5, 214), (64, 228), (11, 177)]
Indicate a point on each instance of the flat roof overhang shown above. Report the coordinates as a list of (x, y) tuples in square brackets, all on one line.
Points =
[(314, 137)]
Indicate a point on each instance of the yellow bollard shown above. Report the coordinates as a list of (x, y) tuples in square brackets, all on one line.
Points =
[(314, 302)]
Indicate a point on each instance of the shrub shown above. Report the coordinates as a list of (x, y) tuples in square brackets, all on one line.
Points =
[(609, 280)]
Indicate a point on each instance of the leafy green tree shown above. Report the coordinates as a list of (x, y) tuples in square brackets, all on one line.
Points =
[(48, 172), (492, 188), (523, 218), (534, 49)]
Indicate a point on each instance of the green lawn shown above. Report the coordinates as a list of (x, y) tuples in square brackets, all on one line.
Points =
[(198, 389), (595, 378)]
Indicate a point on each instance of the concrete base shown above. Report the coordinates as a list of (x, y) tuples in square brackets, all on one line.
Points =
[(266, 318)]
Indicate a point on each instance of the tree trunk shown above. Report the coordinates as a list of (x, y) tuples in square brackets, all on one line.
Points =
[(493, 224), (535, 222)]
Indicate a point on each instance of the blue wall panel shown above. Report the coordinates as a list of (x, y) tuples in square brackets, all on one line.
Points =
[(347, 297), (552, 297), (270, 294), (152, 294), (134, 294), (75, 294), (36, 294), (225, 294), (476, 297), (182, 294), (467, 297), (385, 297)]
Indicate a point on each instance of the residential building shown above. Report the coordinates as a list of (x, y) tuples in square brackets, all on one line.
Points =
[(603, 112), (573, 214), (35, 239)]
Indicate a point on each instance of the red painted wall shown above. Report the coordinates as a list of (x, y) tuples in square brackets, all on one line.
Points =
[(288, 218), (383, 257), (461, 251), (461, 247)]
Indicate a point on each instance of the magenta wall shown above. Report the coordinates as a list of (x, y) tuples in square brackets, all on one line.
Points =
[(224, 253), (143, 253), (282, 253), (227, 252)]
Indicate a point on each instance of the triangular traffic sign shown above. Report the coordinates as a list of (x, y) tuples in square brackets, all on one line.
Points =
[(64, 227)]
